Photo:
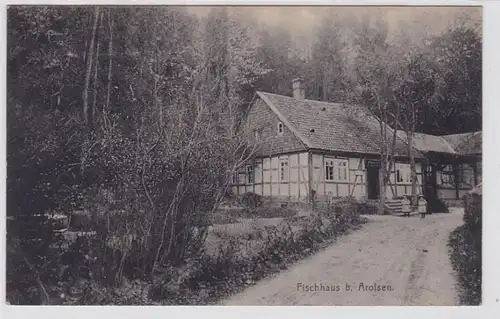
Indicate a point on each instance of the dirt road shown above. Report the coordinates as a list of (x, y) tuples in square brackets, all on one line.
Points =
[(406, 257)]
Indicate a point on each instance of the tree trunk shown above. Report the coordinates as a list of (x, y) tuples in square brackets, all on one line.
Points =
[(94, 82), (89, 68), (110, 55), (413, 168), (474, 172), (456, 179), (412, 156), (382, 186), (324, 97)]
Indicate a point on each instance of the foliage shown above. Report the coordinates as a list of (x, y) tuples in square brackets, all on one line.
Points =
[(465, 244), (262, 212), (144, 155), (466, 258), (273, 212), (251, 200), (473, 211), (133, 115), (365, 208), (228, 272), (347, 205), (351, 206), (437, 206), (222, 218)]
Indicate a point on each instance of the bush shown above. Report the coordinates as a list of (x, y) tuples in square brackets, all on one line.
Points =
[(368, 209), (228, 272), (466, 250), (261, 212), (222, 219), (437, 206), (251, 200), (273, 212), (465, 254), (242, 212), (350, 205), (347, 205), (473, 211)]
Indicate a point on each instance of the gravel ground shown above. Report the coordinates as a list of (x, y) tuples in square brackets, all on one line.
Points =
[(408, 256)]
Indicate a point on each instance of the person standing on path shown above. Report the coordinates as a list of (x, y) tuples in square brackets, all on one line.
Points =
[(405, 208), (422, 206)]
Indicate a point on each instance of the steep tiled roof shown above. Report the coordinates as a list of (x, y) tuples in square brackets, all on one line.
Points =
[(466, 143), (332, 126)]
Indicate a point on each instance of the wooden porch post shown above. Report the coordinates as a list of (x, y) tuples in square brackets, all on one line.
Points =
[(310, 179), (456, 173), (474, 171)]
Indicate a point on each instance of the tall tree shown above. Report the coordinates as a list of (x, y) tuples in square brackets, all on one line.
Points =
[(377, 77), (458, 53), (328, 62), (90, 57)]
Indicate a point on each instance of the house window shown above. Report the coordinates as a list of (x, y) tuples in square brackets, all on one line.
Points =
[(465, 175), (280, 128), (399, 176), (284, 170), (479, 172), (447, 175), (257, 135), (336, 170), (250, 175), (329, 167), (403, 173), (235, 178), (342, 170)]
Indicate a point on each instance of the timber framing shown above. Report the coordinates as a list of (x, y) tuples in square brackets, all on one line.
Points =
[(303, 142)]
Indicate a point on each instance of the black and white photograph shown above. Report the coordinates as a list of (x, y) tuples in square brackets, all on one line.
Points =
[(244, 155)]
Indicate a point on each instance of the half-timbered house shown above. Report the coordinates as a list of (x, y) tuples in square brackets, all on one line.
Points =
[(311, 149)]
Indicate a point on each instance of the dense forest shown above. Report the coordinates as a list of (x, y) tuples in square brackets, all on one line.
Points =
[(132, 113)]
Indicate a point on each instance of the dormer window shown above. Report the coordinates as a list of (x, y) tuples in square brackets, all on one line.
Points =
[(280, 128)]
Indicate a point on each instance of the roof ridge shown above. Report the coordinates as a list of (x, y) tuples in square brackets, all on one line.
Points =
[(441, 138), (466, 133), (453, 151), (306, 100), (448, 144)]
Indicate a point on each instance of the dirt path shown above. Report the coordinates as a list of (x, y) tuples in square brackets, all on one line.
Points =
[(407, 255)]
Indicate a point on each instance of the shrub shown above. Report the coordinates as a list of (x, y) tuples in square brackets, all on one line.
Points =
[(473, 211), (465, 254), (273, 212), (229, 271), (261, 212), (437, 206), (368, 209), (81, 221), (242, 212), (221, 219), (347, 205), (251, 200), (466, 250)]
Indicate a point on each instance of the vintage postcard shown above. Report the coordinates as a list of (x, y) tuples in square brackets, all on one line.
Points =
[(244, 155)]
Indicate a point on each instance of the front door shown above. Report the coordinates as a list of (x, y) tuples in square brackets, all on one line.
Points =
[(372, 180), (430, 184)]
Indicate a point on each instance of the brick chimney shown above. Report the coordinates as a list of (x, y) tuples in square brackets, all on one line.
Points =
[(298, 90)]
